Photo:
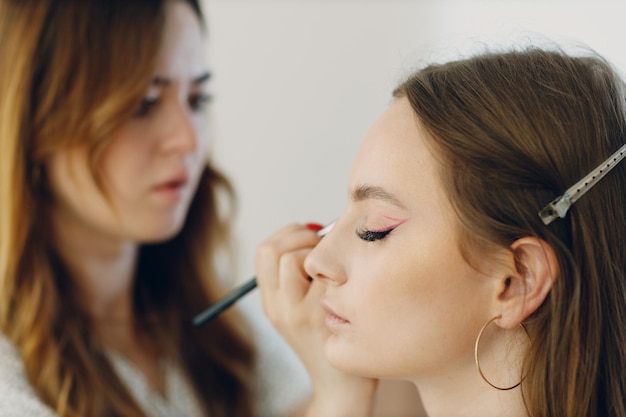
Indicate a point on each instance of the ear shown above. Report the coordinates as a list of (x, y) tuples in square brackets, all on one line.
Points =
[(535, 268)]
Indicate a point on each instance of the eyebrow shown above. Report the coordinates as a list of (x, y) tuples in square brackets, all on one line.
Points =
[(164, 81), (205, 76), (365, 192)]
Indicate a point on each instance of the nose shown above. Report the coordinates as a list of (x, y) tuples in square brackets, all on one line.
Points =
[(180, 135), (324, 262)]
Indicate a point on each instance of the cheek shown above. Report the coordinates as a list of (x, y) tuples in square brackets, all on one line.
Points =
[(201, 156), (204, 134), (124, 162), (431, 283), (410, 309)]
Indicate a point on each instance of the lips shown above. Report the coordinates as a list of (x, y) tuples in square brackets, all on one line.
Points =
[(176, 181), (333, 319), (172, 189), (170, 185)]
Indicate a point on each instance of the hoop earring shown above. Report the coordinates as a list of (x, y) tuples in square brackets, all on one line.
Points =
[(480, 371)]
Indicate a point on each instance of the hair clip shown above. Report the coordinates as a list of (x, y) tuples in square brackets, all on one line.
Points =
[(559, 206)]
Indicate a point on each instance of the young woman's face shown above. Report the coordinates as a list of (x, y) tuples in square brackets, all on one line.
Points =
[(151, 167), (409, 305)]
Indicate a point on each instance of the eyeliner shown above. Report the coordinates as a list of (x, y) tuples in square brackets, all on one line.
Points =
[(233, 296)]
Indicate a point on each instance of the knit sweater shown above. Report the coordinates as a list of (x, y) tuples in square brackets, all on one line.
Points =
[(18, 399), (281, 381)]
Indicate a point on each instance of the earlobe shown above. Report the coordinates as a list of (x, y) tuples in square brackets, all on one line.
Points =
[(536, 267)]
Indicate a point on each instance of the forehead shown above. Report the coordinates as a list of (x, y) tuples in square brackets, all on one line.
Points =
[(183, 47), (395, 155)]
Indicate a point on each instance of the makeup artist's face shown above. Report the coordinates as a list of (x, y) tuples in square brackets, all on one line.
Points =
[(151, 166), (410, 306)]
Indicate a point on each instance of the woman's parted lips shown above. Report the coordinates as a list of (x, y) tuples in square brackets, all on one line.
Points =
[(176, 180), (328, 308)]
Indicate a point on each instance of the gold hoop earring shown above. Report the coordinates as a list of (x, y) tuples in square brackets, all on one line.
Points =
[(477, 361)]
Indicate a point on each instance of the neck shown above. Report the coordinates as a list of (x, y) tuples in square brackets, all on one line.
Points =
[(468, 395), (102, 268)]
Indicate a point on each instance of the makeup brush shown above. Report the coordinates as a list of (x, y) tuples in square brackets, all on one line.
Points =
[(233, 296)]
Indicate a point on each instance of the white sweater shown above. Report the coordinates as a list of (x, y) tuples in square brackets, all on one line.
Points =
[(18, 399), (281, 381)]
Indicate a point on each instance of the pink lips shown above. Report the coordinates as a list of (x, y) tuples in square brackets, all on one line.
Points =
[(333, 320), (172, 188)]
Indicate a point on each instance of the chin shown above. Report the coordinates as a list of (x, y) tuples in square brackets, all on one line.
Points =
[(350, 367), (355, 362), (342, 358), (160, 234)]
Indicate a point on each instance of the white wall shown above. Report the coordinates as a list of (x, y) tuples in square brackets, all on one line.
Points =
[(297, 84)]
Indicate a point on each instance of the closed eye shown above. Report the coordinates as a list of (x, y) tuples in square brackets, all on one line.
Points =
[(372, 236)]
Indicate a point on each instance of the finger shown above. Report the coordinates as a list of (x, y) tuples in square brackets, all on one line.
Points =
[(288, 239), (298, 302), (291, 312), (269, 254), (294, 282), (313, 299), (284, 303)]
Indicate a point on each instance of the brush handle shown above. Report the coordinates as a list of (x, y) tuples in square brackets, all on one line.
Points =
[(233, 296)]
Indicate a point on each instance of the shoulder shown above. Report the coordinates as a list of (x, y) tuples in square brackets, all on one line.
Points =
[(17, 397)]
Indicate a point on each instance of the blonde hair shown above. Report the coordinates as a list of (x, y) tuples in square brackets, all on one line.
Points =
[(75, 71), (514, 130)]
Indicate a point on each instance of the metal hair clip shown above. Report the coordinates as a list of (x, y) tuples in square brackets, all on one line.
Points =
[(558, 207)]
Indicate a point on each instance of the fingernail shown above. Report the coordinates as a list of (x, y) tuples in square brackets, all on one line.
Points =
[(314, 226)]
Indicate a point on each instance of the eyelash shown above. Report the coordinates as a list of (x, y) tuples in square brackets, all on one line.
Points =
[(145, 106), (197, 102), (372, 236)]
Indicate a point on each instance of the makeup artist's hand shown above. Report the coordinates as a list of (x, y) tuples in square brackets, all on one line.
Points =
[(292, 302)]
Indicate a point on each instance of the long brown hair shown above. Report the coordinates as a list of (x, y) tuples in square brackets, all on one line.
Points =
[(75, 71), (514, 130)]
